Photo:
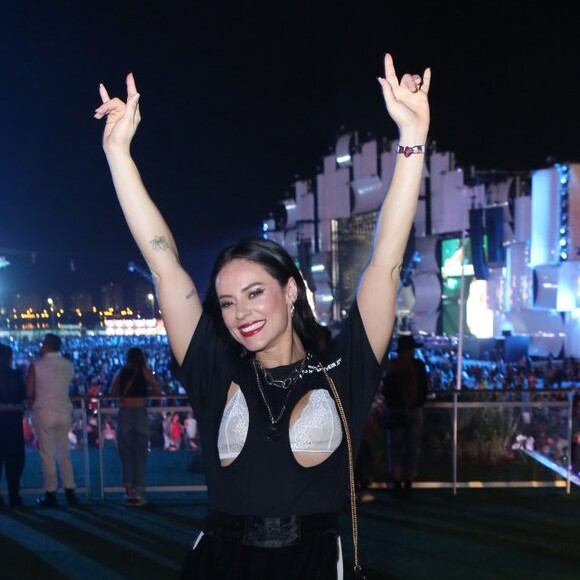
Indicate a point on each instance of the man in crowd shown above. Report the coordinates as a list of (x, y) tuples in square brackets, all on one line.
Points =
[(405, 386), (47, 388), (11, 434)]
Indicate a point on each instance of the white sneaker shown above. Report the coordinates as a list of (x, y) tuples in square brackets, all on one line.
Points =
[(129, 500), (139, 500)]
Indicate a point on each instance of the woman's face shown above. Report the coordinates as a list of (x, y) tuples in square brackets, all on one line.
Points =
[(255, 308)]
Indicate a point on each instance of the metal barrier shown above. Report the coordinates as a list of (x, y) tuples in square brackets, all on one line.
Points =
[(494, 441), (183, 477), (474, 439)]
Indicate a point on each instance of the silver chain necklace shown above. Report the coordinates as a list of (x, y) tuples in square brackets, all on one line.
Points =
[(273, 430), (288, 381)]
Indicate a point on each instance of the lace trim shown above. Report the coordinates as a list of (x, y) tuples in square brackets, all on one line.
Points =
[(317, 430), (234, 427), (318, 427)]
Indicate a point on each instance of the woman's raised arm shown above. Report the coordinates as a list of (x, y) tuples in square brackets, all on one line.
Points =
[(408, 106), (176, 293)]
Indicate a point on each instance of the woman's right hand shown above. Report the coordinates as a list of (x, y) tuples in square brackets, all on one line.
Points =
[(122, 118), (176, 292)]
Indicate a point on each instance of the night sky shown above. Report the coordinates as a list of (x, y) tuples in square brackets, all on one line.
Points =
[(240, 99)]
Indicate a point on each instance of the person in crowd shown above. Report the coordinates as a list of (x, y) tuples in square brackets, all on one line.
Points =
[(271, 388), (47, 388), (108, 435), (190, 426), (405, 386), (29, 434), (92, 426), (133, 383), (156, 437), (175, 432), (167, 430), (12, 397), (76, 433)]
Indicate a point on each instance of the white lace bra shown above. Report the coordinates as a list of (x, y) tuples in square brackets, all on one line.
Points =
[(317, 429)]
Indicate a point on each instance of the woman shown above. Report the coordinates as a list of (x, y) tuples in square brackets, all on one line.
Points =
[(257, 366), (132, 384), (175, 432)]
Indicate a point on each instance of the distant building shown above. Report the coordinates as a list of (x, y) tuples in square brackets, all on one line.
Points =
[(144, 305), (112, 297), (82, 301), (27, 301)]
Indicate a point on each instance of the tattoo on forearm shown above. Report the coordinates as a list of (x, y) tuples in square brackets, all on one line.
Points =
[(190, 294), (159, 243)]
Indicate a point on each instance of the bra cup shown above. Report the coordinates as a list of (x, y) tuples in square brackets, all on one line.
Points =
[(316, 432), (234, 427)]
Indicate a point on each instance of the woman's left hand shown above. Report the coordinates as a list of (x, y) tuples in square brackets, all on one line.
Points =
[(406, 100)]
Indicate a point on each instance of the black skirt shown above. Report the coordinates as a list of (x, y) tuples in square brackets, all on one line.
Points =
[(252, 548)]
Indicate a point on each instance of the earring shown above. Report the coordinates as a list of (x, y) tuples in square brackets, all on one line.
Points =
[(292, 309)]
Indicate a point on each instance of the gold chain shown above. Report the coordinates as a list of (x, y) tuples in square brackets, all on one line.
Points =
[(353, 513)]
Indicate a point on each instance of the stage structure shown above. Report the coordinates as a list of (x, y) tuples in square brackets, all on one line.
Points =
[(508, 242)]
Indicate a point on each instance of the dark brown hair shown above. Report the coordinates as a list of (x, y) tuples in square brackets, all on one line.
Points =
[(280, 265)]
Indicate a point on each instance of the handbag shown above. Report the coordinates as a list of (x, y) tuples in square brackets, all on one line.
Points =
[(358, 572)]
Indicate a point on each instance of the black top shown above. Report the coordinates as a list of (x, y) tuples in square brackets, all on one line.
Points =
[(265, 479), (12, 390), (132, 383), (404, 387)]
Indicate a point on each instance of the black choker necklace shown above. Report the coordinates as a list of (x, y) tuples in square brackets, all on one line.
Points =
[(286, 383)]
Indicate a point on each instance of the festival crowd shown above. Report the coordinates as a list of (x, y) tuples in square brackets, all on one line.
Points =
[(97, 358)]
